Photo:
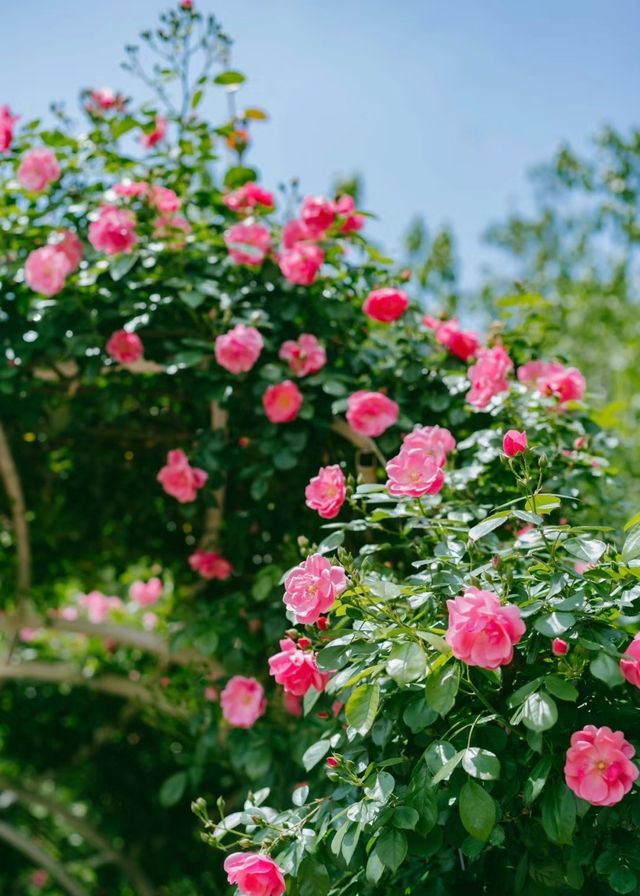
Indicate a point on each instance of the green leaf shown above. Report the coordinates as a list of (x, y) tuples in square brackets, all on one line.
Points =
[(477, 811), (481, 764), (375, 868), (554, 624), (120, 266), (631, 547), (537, 779), (418, 715), (315, 753), (405, 817), (488, 525), (191, 297), (623, 880), (331, 542), (362, 707), (539, 712), (541, 504), (391, 849), (406, 663), (561, 688), (588, 549), (229, 78), (606, 669), (445, 772), (172, 789), (559, 814), (313, 878), (442, 688)]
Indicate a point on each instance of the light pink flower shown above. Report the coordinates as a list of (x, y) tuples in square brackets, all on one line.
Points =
[(254, 874), (146, 593), (630, 663), (70, 246), (295, 232), (248, 243), (163, 199), (179, 479), (434, 440), (155, 136), (248, 197), (464, 344), (238, 349), (386, 304), (125, 348), (304, 355), (317, 214), (301, 264), (149, 621), (45, 270), (598, 767), (296, 670), (559, 647), (28, 634), (345, 208), (7, 121), (210, 564), (482, 631), (102, 98), (128, 189), (243, 701), (326, 492), (488, 375), (414, 472), (282, 402), (172, 229), (553, 378), (113, 231), (38, 169), (371, 413), (514, 442), (312, 587), (98, 606)]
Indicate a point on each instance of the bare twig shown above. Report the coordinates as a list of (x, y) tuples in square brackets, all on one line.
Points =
[(41, 859), (364, 443), (13, 488), (215, 515)]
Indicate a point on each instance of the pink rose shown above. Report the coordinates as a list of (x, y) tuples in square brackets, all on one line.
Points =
[(98, 606), (254, 874), (304, 356), (292, 704), (70, 246), (345, 208), (7, 121), (172, 229), (386, 304), (514, 442), (238, 349), (247, 197), (295, 232), (301, 264), (435, 440), (488, 375), (312, 587), (113, 231), (598, 767), (125, 348), (155, 136), (210, 565), (45, 270), (317, 214), (128, 189), (559, 647), (630, 663), (38, 169), (464, 344), (146, 593), (39, 878), (552, 378), (163, 199), (326, 492), (296, 670), (282, 402), (102, 98), (179, 479), (242, 701), (414, 472), (371, 413), (482, 631), (248, 243)]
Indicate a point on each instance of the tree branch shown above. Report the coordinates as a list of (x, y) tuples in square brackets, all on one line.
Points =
[(215, 514), (41, 859), (364, 443), (13, 488)]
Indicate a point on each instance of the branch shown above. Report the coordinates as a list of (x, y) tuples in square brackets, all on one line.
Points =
[(41, 858), (13, 488), (215, 515), (364, 443)]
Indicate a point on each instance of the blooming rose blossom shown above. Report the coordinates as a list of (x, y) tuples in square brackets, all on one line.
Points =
[(296, 670), (345, 208), (295, 232), (45, 270), (38, 169), (553, 378), (179, 479), (173, 229), (7, 121), (481, 630), (301, 264), (243, 701), (488, 375), (292, 704), (514, 442), (210, 565), (304, 355), (317, 214), (282, 402), (254, 874), (125, 348), (630, 663), (312, 587), (248, 197), (238, 349), (326, 492), (163, 199), (248, 243), (414, 472), (386, 304), (98, 606), (157, 135), (598, 767), (464, 344), (146, 593), (113, 231), (371, 413), (436, 441), (70, 246), (559, 647), (128, 189)]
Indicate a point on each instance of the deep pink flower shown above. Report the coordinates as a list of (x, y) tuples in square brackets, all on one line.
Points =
[(38, 169), (248, 243), (301, 264), (179, 479), (146, 593), (242, 702), (128, 189), (125, 348), (488, 375), (514, 442), (345, 208), (464, 344), (248, 197), (295, 232), (7, 121), (598, 767), (630, 663), (312, 587), (163, 199), (414, 472), (326, 492), (70, 246), (559, 647), (45, 270), (296, 670), (210, 565), (386, 304), (553, 378), (172, 229), (371, 413), (155, 136), (434, 440), (481, 630), (238, 349), (317, 214), (98, 606), (254, 874), (292, 704), (113, 231), (282, 402), (304, 355)]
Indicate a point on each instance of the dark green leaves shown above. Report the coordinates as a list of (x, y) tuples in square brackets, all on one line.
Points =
[(539, 712), (477, 810), (559, 813), (406, 663), (391, 848), (442, 687)]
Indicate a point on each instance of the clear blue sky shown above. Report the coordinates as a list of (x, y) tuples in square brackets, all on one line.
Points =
[(442, 106)]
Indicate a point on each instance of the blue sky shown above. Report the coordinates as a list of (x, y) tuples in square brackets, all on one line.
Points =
[(441, 106)]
